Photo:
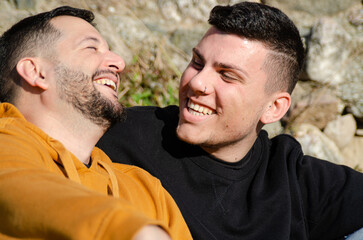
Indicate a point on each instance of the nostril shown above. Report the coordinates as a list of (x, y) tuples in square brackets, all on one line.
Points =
[(114, 66)]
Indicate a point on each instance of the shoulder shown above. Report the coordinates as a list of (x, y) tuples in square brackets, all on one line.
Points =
[(282, 146), (132, 170), (285, 150), (23, 144), (15, 129), (288, 148), (151, 113), (286, 141), (125, 172), (134, 175), (143, 122)]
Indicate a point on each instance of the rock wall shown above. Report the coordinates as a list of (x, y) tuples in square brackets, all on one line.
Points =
[(155, 37)]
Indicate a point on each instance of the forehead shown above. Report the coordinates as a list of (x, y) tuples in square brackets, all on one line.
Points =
[(230, 48), (75, 29)]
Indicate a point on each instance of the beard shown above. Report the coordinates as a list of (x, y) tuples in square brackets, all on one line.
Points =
[(76, 88)]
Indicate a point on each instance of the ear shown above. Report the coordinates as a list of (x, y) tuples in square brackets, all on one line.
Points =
[(30, 70), (276, 108)]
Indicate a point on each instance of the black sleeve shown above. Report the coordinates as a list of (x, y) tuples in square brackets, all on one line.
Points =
[(130, 138), (333, 197), (137, 140)]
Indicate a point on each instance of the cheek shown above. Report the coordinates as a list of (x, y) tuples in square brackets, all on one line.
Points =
[(229, 98)]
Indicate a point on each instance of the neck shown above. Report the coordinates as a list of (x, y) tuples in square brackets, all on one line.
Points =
[(78, 137), (78, 134), (232, 152)]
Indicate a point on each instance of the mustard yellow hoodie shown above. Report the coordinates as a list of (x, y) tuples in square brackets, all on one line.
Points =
[(47, 193)]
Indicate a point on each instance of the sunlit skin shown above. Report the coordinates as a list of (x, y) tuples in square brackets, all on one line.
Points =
[(82, 48), (79, 48), (226, 77)]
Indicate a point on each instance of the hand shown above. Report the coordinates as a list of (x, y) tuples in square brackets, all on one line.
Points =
[(152, 232)]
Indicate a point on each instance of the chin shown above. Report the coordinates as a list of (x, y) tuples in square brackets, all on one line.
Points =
[(188, 136)]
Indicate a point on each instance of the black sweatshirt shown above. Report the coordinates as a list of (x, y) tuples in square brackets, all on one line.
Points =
[(274, 192)]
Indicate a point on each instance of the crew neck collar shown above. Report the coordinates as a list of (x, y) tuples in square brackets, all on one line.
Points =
[(237, 170)]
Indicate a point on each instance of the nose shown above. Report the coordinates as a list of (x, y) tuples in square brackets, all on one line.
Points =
[(200, 83), (114, 62)]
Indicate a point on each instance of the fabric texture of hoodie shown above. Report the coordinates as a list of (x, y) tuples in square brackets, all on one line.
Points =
[(47, 193)]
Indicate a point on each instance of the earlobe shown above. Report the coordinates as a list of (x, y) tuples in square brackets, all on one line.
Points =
[(29, 70), (277, 108)]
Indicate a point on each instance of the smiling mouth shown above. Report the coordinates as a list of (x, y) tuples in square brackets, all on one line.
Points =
[(198, 110), (107, 82)]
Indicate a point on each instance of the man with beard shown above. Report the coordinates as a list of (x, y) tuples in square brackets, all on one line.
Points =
[(58, 88), (228, 178)]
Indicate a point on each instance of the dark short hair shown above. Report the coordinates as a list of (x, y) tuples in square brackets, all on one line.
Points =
[(30, 37), (275, 30)]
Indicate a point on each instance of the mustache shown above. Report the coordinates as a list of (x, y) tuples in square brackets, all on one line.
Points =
[(100, 72)]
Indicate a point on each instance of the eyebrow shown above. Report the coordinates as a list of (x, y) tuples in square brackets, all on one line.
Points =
[(219, 64), (230, 66), (93, 39)]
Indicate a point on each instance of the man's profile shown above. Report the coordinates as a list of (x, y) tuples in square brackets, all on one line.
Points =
[(58, 88)]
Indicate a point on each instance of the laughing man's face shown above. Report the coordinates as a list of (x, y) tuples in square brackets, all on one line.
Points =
[(87, 72), (222, 93)]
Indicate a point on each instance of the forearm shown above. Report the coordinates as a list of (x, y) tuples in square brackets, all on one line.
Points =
[(39, 204)]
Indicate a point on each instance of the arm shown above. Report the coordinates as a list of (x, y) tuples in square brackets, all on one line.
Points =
[(38, 203), (333, 197), (163, 205), (151, 232)]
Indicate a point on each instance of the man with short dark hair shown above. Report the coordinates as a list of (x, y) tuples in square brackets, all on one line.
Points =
[(58, 88), (228, 178)]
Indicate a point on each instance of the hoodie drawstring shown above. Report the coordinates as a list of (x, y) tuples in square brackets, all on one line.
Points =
[(66, 159), (71, 171), (114, 184)]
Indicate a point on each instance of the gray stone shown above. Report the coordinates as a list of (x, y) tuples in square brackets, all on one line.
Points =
[(132, 30), (351, 89), (9, 15), (359, 132), (273, 129), (178, 11), (315, 7), (313, 105), (186, 39), (341, 130), (353, 154), (115, 42), (25, 4), (335, 58), (316, 144), (328, 52)]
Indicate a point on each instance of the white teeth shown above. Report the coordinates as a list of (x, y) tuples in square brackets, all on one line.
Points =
[(197, 110), (106, 82)]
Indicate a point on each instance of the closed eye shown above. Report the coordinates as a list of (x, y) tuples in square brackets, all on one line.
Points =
[(229, 76), (92, 47), (196, 63)]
